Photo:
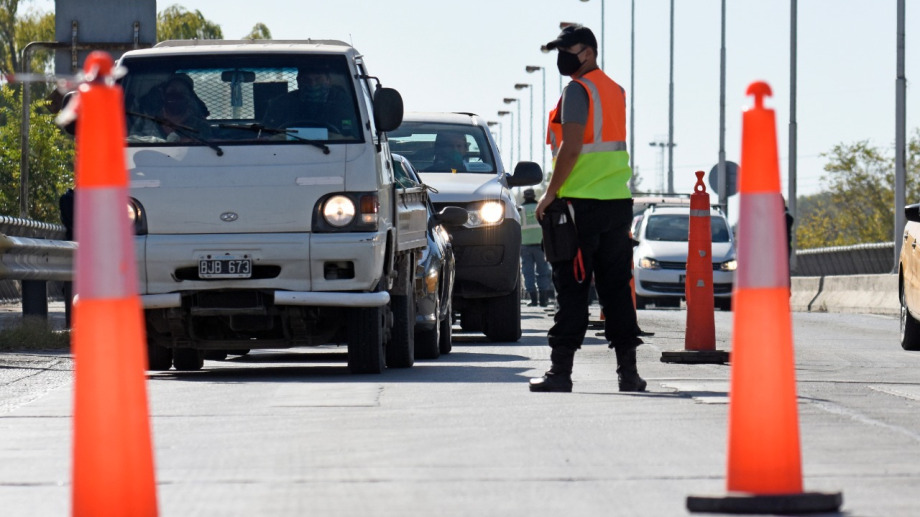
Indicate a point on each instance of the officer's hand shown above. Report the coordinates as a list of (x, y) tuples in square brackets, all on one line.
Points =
[(547, 198)]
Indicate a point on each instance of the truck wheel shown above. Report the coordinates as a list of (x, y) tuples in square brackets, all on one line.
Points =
[(400, 351), (365, 340), (427, 340), (502, 318), (910, 328), (159, 358), (188, 359), (445, 340)]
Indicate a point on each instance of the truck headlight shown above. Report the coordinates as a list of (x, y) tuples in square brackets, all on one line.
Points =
[(339, 211), (486, 214), (649, 263)]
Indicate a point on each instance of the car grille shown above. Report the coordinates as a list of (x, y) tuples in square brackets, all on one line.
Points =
[(683, 265), (674, 287)]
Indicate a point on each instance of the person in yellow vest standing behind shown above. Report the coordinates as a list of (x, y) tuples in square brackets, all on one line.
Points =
[(536, 271), (591, 180)]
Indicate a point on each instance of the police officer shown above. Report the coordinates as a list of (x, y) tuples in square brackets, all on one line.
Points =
[(591, 174), (536, 271)]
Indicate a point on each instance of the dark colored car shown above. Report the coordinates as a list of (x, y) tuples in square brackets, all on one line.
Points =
[(434, 273)]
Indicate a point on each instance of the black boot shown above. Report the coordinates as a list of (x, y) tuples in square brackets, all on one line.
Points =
[(559, 376), (544, 298), (627, 374), (533, 298)]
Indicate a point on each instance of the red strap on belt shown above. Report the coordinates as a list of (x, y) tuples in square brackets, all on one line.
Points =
[(578, 267)]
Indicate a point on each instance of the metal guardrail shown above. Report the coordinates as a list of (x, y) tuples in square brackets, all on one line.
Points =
[(25, 258), (859, 259)]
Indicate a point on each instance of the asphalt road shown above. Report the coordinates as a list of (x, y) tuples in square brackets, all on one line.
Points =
[(292, 433)]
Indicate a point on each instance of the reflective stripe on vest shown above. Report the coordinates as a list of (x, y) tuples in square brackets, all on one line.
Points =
[(762, 260), (602, 170)]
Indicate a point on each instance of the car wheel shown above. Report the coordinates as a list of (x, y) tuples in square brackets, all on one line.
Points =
[(188, 359), (445, 341), (910, 328), (502, 318), (724, 304), (365, 340), (159, 358), (641, 302), (426, 340)]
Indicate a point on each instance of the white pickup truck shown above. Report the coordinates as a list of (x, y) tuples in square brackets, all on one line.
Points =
[(263, 201)]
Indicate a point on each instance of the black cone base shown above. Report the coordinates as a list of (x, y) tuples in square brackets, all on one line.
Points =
[(806, 502)]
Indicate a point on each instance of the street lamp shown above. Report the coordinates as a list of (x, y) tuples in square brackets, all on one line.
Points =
[(530, 70), (602, 32), (509, 100), (521, 86), (511, 133)]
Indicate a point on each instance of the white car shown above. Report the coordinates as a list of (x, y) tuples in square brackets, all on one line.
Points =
[(660, 257)]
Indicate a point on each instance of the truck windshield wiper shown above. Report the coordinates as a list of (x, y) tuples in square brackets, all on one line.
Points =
[(183, 130), (259, 128)]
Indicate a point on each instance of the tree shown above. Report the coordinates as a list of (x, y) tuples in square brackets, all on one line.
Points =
[(176, 22), (50, 158), (858, 205), (18, 31), (259, 31)]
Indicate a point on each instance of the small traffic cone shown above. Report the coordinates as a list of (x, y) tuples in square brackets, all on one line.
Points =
[(700, 337), (113, 473), (764, 460)]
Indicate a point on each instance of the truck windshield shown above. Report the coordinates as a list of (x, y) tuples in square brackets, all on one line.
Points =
[(240, 99), (438, 147)]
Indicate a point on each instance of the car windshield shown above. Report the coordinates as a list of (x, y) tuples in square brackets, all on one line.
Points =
[(439, 147), (240, 99), (676, 228)]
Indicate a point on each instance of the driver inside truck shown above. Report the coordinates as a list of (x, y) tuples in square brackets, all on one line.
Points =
[(175, 102), (315, 102)]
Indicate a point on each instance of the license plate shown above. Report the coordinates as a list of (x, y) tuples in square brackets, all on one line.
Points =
[(224, 266)]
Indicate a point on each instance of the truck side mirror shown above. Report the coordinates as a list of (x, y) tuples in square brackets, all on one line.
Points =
[(525, 175), (388, 109), (71, 127)]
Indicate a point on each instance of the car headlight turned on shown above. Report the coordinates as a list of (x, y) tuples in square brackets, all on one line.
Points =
[(649, 263), (488, 213), (729, 265), (339, 211)]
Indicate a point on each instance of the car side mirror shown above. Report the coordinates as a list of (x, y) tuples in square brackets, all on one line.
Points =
[(912, 213), (525, 175), (388, 109), (452, 216)]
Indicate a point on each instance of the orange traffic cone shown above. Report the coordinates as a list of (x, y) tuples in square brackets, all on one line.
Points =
[(764, 460), (700, 337), (113, 472)]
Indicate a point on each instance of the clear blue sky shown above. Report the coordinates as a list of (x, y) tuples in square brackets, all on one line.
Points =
[(467, 56)]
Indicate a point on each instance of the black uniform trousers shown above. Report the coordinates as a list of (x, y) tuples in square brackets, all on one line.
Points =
[(606, 248)]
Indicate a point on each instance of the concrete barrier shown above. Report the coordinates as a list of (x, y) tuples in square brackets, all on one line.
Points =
[(866, 294)]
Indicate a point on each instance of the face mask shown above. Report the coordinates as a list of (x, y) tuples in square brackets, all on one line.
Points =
[(567, 63)]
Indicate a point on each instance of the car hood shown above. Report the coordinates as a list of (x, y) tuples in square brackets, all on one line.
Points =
[(670, 251), (462, 187)]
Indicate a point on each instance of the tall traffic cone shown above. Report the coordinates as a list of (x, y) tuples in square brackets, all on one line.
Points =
[(764, 460), (700, 337), (113, 473)]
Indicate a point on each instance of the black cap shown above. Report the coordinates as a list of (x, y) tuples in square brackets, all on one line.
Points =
[(573, 35)]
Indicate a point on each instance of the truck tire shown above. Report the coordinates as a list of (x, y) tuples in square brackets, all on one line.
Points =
[(427, 340), (502, 317), (400, 351), (159, 358), (910, 328), (188, 359), (365, 340)]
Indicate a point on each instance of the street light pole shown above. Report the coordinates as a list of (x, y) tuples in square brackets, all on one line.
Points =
[(531, 69), (521, 86), (511, 135), (492, 123), (671, 111), (509, 100)]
